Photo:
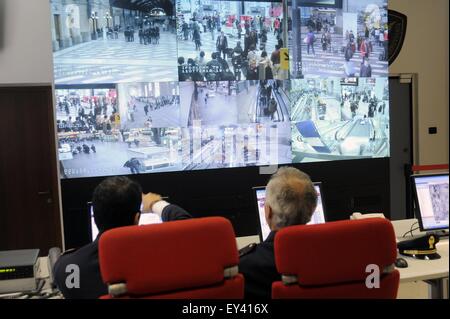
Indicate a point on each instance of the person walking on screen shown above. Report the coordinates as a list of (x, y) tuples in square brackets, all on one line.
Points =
[(309, 40), (222, 44), (366, 69)]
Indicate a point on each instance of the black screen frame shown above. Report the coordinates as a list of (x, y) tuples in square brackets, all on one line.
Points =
[(228, 193), (307, 3), (417, 210)]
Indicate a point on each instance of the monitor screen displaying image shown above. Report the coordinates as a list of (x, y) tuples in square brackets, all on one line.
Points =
[(145, 219), (431, 194), (318, 216), (166, 86)]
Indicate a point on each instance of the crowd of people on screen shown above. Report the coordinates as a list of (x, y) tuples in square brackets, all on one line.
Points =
[(249, 58)]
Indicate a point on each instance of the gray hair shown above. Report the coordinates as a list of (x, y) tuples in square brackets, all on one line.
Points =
[(291, 196)]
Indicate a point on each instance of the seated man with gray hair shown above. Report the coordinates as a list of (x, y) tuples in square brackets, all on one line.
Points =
[(291, 199)]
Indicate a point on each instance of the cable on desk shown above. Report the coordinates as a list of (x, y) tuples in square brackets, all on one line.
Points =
[(410, 231), (40, 285)]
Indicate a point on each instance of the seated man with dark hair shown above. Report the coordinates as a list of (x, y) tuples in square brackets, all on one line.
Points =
[(116, 203), (291, 199)]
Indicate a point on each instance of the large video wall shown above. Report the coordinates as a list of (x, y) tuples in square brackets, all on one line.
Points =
[(160, 85)]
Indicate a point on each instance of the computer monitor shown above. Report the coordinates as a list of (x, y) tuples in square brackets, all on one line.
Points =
[(145, 219), (431, 200), (260, 199)]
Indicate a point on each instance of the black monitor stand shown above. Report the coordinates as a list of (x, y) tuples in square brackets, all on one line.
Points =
[(440, 233)]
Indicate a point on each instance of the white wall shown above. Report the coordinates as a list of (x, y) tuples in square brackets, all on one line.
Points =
[(26, 49), (425, 52), (25, 42)]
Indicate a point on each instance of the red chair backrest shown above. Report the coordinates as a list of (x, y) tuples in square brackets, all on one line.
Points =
[(179, 259), (329, 260)]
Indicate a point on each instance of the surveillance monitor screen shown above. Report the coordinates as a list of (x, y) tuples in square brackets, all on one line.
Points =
[(230, 40), (157, 86), (114, 41), (145, 219), (432, 201), (333, 41), (264, 230), (336, 121)]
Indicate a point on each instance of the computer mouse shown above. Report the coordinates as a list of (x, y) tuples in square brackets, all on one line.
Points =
[(401, 263)]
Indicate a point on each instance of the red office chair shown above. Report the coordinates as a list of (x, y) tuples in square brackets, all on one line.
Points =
[(189, 259), (329, 260)]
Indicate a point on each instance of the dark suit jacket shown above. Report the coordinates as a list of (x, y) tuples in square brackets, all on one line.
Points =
[(91, 283), (224, 45), (365, 71), (259, 270)]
